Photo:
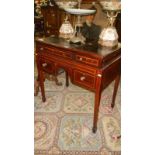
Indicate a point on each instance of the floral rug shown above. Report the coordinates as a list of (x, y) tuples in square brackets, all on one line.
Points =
[(63, 124)]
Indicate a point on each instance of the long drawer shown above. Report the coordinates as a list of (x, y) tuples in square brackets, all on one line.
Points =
[(87, 60), (58, 52)]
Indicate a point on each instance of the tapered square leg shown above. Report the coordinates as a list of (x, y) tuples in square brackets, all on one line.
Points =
[(115, 90), (67, 79), (41, 78), (97, 103), (94, 129), (43, 99)]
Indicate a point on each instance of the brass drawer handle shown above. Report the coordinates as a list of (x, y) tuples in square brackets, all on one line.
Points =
[(41, 48), (99, 75), (80, 59), (44, 64), (82, 78)]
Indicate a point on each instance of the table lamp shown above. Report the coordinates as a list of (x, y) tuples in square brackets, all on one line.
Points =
[(109, 37), (66, 30)]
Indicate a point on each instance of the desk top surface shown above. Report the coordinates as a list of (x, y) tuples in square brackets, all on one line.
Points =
[(90, 48)]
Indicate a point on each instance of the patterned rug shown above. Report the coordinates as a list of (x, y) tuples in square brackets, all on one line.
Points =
[(63, 124)]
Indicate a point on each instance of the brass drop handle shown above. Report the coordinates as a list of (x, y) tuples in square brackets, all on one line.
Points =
[(82, 78), (44, 64), (80, 59)]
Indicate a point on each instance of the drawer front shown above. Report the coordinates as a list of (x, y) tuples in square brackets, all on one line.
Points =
[(40, 48), (47, 66), (87, 60), (84, 79), (59, 53)]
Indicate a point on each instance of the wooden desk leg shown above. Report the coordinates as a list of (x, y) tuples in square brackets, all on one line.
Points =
[(67, 80), (36, 87), (97, 104), (41, 81), (115, 90)]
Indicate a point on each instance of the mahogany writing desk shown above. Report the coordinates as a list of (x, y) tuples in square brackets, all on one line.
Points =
[(89, 66)]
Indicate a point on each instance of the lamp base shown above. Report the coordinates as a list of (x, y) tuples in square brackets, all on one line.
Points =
[(77, 40), (65, 36), (108, 43)]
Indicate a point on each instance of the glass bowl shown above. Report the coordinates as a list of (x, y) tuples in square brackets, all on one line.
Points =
[(110, 5), (66, 3)]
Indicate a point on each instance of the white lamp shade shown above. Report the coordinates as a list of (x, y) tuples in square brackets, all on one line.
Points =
[(66, 30), (108, 37)]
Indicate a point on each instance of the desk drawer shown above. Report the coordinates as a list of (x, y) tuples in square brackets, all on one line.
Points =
[(59, 53), (87, 60), (47, 66), (84, 79)]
